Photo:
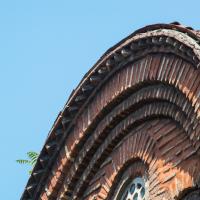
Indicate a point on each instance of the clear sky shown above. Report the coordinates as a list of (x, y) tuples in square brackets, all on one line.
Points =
[(45, 49)]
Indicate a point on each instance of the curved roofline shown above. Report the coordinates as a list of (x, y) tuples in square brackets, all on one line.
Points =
[(173, 26), (62, 124)]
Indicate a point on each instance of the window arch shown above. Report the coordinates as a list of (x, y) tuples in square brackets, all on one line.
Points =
[(135, 190)]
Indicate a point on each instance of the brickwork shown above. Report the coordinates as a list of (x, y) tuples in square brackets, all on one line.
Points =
[(136, 113), (162, 155)]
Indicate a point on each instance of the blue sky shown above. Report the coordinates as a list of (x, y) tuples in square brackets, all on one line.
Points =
[(45, 49)]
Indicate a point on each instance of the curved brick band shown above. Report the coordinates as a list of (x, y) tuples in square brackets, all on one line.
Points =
[(136, 110), (132, 169), (141, 95), (166, 179)]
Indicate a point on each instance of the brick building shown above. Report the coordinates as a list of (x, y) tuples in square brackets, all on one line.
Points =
[(130, 130)]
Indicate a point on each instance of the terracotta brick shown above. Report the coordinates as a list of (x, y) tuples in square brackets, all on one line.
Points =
[(140, 119)]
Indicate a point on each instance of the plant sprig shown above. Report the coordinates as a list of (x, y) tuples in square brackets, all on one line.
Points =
[(32, 159)]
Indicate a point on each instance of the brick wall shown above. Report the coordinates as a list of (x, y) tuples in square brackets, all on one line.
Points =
[(139, 96), (136, 113)]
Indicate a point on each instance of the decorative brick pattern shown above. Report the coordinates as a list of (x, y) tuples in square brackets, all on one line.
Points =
[(136, 112), (167, 173)]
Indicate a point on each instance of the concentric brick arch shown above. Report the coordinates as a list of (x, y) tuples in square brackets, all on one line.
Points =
[(130, 170), (150, 102), (163, 183), (144, 90)]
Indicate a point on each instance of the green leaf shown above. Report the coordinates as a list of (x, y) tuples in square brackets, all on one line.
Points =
[(33, 156), (23, 161)]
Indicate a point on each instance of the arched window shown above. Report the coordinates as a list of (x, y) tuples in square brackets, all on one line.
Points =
[(135, 190)]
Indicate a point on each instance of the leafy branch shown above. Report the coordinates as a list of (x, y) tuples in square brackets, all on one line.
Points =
[(32, 158)]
